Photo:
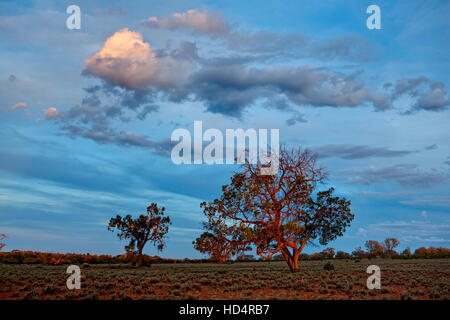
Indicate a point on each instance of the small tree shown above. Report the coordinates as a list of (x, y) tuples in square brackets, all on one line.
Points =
[(150, 227), (328, 253), (406, 252), (374, 249), (359, 253), (342, 255), (277, 213), (389, 245), (2, 237)]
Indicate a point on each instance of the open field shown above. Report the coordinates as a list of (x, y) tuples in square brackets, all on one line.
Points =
[(400, 279)]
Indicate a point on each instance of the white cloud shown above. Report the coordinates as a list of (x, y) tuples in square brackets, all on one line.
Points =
[(127, 61), (200, 22)]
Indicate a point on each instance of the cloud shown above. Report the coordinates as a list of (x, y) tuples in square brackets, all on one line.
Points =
[(429, 96), (435, 99), (127, 61), (229, 90), (194, 20), (358, 152), (440, 201), (431, 147), (386, 195), (273, 45), (413, 231), (296, 118), (19, 105), (51, 113), (128, 139), (403, 174)]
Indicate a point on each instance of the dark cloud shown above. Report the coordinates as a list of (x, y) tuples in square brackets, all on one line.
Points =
[(403, 174), (296, 118), (358, 152), (350, 47), (94, 120), (431, 147), (408, 86), (429, 96), (229, 90), (447, 161)]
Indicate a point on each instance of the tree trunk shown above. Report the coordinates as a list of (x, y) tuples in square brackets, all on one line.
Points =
[(140, 257), (291, 259)]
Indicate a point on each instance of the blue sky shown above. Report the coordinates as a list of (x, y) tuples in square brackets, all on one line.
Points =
[(84, 139)]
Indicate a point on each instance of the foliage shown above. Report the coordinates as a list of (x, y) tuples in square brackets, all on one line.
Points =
[(328, 266), (374, 249), (277, 213), (389, 245), (150, 227)]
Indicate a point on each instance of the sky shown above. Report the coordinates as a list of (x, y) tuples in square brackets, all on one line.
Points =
[(86, 115)]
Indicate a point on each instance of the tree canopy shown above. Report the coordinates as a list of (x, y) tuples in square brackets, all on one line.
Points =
[(274, 213), (150, 227)]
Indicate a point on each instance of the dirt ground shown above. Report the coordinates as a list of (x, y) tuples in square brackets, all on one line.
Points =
[(400, 279)]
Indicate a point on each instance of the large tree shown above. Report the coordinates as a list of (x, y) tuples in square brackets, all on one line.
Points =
[(277, 213), (150, 227)]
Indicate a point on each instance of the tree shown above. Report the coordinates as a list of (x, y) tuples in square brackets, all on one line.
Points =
[(328, 253), (374, 249), (406, 252), (342, 255), (359, 253), (150, 227), (2, 237), (389, 245), (216, 247), (245, 257), (278, 213)]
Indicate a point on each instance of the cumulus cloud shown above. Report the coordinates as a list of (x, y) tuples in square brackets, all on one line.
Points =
[(194, 20), (435, 98), (51, 113), (428, 95), (127, 61)]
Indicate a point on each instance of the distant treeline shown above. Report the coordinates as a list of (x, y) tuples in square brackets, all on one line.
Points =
[(33, 257)]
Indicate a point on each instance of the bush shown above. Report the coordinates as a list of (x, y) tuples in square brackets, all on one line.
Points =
[(328, 266)]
